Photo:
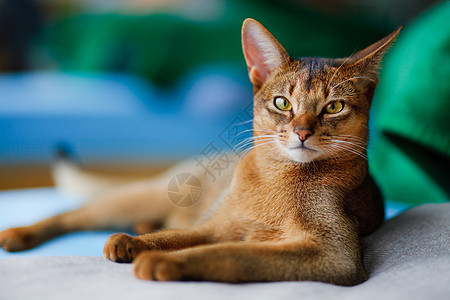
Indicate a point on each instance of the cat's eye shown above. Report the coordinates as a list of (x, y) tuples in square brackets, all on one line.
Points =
[(282, 103), (334, 107)]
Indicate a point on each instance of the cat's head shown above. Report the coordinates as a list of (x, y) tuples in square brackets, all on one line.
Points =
[(310, 109)]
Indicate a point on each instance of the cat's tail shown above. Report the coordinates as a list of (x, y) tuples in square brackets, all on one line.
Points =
[(70, 177)]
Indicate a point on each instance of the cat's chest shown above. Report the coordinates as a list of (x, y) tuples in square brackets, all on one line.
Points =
[(272, 194), (276, 214), (274, 204)]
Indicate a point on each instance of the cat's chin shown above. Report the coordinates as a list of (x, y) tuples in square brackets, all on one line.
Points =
[(303, 154)]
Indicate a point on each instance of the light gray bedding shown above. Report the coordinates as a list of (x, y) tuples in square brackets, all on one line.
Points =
[(408, 258)]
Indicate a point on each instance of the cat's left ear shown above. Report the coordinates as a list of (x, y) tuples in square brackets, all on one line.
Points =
[(262, 52), (368, 61)]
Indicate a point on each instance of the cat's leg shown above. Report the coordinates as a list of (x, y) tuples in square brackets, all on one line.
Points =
[(122, 247), (252, 262), (327, 251), (120, 209)]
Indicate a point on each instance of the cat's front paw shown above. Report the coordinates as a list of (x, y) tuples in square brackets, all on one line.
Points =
[(17, 239), (123, 248), (160, 266)]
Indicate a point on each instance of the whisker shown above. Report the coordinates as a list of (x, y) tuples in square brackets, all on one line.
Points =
[(350, 143), (251, 140), (241, 155), (344, 137), (264, 135), (348, 139), (351, 137), (244, 131), (251, 144), (255, 146), (252, 129), (239, 147), (349, 149), (245, 122), (254, 137)]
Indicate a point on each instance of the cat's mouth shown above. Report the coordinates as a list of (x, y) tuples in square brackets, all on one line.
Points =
[(302, 147), (302, 153)]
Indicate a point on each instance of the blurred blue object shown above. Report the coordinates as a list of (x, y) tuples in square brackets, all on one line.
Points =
[(393, 208), (117, 117)]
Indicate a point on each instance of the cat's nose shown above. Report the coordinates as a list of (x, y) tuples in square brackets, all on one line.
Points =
[(303, 133)]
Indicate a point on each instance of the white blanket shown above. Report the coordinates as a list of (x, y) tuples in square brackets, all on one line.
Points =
[(408, 258)]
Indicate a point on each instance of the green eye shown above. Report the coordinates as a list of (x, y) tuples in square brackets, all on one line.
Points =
[(334, 107), (282, 103)]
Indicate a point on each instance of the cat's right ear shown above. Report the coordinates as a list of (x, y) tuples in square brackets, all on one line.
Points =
[(262, 52), (368, 60)]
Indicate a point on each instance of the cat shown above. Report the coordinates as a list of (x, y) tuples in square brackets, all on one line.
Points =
[(293, 208)]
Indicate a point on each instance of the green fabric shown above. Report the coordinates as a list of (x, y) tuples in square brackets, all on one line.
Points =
[(410, 154), (162, 48)]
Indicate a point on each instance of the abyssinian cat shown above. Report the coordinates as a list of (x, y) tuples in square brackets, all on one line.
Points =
[(293, 208)]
